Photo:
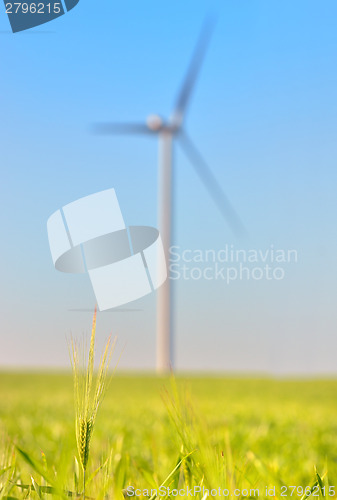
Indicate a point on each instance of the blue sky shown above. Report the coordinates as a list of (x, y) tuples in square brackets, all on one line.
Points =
[(264, 116)]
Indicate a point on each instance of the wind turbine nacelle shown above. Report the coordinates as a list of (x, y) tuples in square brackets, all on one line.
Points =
[(154, 122)]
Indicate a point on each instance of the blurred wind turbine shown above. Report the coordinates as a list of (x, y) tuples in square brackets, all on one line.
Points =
[(167, 131)]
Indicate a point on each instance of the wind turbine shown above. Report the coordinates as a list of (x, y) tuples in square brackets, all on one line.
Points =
[(167, 131)]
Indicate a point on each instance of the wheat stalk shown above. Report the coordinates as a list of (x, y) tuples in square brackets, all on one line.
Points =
[(89, 391)]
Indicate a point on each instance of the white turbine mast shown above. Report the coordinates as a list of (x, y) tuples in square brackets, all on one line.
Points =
[(167, 131)]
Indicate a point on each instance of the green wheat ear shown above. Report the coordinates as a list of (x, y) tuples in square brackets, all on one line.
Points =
[(89, 391)]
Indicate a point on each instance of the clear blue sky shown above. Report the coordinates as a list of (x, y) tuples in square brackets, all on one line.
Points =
[(264, 114)]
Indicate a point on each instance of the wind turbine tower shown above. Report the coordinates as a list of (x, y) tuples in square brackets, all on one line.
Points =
[(167, 132)]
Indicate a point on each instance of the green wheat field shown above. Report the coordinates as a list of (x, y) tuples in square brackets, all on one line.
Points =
[(239, 434)]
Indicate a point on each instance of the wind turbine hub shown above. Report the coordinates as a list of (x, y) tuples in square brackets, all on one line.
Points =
[(154, 122)]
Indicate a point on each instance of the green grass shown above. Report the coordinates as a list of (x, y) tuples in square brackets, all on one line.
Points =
[(242, 432)]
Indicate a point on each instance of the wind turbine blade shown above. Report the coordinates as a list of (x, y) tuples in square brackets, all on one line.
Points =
[(211, 184), (120, 128), (193, 71)]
